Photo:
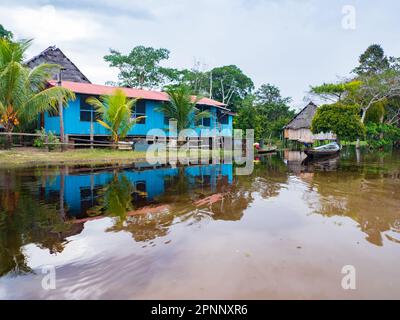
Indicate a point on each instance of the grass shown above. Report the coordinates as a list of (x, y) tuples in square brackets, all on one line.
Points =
[(353, 143), (27, 157)]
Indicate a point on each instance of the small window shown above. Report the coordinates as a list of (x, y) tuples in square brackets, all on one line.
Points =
[(86, 116), (224, 119), (87, 112), (206, 122), (140, 191), (139, 110), (141, 186)]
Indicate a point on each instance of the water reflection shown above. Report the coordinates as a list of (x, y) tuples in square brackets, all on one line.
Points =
[(361, 187), (47, 207)]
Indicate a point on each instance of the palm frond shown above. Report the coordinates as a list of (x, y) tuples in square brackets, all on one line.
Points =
[(46, 100), (38, 76)]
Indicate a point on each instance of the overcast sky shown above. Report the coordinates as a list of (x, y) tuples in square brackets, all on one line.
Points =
[(290, 43)]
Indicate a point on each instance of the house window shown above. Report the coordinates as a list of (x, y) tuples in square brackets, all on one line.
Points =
[(88, 197), (140, 191), (139, 110), (87, 112), (224, 119), (205, 122)]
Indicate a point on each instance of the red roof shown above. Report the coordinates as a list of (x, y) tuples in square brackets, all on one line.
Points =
[(97, 89)]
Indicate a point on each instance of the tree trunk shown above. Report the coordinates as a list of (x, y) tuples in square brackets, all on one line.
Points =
[(9, 140), (381, 122), (60, 111), (364, 112)]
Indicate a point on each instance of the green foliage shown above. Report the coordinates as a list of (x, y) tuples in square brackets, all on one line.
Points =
[(372, 61), (23, 91), (141, 67), (52, 140), (266, 112), (40, 142), (5, 34), (116, 111), (381, 135), (335, 91), (230, 85), (182, 107), (376, 113), (249, 118), (392, 111), (269, 94), (343, 120)]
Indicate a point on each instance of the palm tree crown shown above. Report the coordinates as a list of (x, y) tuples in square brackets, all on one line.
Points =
[(116, 111), (24, 92), (182, 108)]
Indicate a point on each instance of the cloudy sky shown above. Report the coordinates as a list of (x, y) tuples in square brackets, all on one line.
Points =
[(290, 43)]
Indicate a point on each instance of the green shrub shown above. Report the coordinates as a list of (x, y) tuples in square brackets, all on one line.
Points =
[(40, 142), (381, 135)]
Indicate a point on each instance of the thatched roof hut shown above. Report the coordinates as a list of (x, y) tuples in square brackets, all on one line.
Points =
[(299, 128), (55, 55)]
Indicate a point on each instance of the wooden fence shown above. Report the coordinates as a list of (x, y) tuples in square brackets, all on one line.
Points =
[(26, 139)]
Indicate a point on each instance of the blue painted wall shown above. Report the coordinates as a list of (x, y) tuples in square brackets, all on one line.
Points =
[(154, 120), (154, 181)]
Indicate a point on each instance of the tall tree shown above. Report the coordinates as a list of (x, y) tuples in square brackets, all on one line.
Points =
[(376, 88), (141, 67), (372, 61), (229, 85), (273, 109), (270, 94), (23, 91), (335, 92), (248, 117)]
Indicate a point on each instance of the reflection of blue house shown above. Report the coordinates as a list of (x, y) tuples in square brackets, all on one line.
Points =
[(80, 117), (81, 190)]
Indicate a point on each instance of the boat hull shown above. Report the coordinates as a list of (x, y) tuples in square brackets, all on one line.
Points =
[(266, 151), (318, 153)]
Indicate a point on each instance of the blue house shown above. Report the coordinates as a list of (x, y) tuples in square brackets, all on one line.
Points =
[(81, 189), (80, 118)]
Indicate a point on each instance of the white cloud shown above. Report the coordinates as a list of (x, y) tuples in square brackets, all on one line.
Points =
[(47, 23), (293, 44)]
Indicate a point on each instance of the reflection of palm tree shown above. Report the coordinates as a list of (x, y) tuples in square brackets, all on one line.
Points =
[(146, 227), (116, 197), (24, 221)]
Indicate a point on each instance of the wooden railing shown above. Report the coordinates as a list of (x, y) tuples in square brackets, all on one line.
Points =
[(27, 139)]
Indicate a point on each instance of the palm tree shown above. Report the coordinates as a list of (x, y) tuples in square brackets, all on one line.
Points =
[(182, 107), (116, 112), (24, 92)]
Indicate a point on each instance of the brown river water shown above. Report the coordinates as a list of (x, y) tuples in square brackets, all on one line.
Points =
[(285, 231)]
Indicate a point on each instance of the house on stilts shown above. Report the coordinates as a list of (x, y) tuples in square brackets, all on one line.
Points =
[(80, 118), (299, 128)]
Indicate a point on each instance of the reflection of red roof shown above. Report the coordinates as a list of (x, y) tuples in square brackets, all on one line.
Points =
[(97, 89)]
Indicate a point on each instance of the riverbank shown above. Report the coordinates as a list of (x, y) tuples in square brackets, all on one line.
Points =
[(33, 157)]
